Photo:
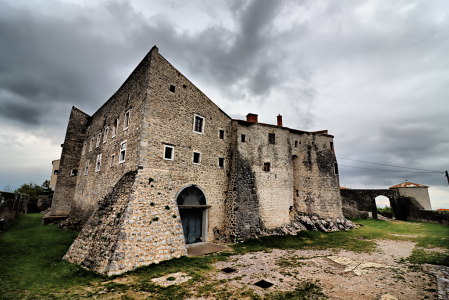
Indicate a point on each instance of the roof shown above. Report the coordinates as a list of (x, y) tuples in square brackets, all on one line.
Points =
[(408, 184), (343, 188)]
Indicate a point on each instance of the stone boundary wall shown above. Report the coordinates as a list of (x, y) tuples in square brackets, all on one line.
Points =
[(136, 225), (357, 202), (12, 206)]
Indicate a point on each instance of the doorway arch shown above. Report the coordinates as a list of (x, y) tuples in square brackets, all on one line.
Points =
[(193, 209)]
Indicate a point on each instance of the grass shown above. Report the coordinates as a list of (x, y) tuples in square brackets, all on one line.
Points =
[(31, 265)]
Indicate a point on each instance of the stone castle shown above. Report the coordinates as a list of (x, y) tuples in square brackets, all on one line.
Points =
[(159, 166)]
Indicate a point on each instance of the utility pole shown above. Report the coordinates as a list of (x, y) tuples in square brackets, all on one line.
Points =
[(447, 176)]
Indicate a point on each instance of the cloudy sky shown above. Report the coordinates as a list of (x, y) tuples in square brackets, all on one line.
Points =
[(374, 73)]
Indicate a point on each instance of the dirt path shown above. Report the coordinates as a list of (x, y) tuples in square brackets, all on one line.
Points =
[(342, 275)]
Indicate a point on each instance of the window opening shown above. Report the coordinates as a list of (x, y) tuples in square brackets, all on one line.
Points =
[(122, 152), (196, 158), (168, 152), (332, 146), (114, 128), (105, 137), (98, 140), (297, 193), (97, 166), (266, 167), (84, 148), (126, 121), (56, 172), (198, 125), (91, 144), (243, 138), (112, 159), (80, 172), (74, 172), (296, 144), (87, 168), (221, 134), (221, 162), (335, 168), (172, 88), (271, 138)]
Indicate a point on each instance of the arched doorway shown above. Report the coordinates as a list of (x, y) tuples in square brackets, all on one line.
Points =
[(383, 206), (192, 204)]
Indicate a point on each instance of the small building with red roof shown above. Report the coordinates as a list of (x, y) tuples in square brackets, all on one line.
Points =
[(418, 191)]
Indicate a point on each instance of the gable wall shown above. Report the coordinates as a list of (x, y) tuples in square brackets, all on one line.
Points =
[(169, 121)]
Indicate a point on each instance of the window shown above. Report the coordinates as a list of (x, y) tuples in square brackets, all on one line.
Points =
[(98, 140), (126, 121), (74, 172), (168, 152), (271, 138), (196, 158), (121, 158), (332, 146), (81, 172), (84, 148), (112, 159), (266, 167), (221, 134), (91, 144), (172, 88), (243, 137), (105, 137), (296, 144), (114, 128), (56, 172), (198, 124), (221, 162), (87, 168), (297, 193), (335, 168), (97, 166)]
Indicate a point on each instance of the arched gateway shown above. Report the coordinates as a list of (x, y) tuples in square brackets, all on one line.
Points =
[(192, 204)]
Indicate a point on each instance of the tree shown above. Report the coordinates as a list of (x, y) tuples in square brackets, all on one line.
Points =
[(34, 191)]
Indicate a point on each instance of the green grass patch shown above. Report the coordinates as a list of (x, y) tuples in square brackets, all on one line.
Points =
[(30, 259)]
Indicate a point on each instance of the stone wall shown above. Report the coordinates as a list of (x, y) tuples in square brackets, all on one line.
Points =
[(357, 201), (71, 153), (12, 206), (137, 224), (316, 187)]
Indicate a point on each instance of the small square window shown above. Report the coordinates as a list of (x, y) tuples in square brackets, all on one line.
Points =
[(221, 134), (126, 121), (296, 144), (196, 158), (56, 172), (122, 156), (112, 159), (98, 140), (243, 138), (221, 162), (266, 167), (198, 124), (74, 172), (105, 136), (98, 165), (168, 152), (271, 138), (87, 168), (172, 88), (335, 168)]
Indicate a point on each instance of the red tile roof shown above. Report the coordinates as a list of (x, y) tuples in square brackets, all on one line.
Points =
[(408, 184)]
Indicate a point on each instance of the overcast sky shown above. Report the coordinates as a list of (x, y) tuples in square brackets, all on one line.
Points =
[(373, 73)]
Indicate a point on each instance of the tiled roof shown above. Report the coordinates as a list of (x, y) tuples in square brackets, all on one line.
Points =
[(408, 184), (343, 188)]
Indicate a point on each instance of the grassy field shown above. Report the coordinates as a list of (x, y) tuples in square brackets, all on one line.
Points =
[(31, 265)]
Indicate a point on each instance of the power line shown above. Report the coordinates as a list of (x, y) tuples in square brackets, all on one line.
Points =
[(428, 172), (373, 163)]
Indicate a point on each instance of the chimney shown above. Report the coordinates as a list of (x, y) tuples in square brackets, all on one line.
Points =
[(251, 118), (280, 121)]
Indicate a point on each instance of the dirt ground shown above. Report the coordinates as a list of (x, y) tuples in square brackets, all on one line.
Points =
[(342, 274)]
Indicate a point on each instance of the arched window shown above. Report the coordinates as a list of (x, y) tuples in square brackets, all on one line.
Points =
[(191, 196)]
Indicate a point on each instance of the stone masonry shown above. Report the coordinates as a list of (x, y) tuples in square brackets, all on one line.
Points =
[(123, 168)]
